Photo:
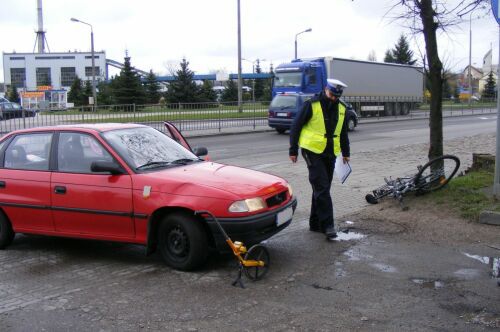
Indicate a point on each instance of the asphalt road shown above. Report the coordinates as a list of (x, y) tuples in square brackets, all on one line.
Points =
[(269, 147)]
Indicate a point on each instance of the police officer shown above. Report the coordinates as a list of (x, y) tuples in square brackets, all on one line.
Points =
[(320, 129)]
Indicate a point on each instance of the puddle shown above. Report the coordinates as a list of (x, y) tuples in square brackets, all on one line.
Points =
[(355, 254), (384, 267), (493, 263), (429, 283)]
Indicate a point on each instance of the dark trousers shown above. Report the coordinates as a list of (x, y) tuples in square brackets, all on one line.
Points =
[(320, 169)]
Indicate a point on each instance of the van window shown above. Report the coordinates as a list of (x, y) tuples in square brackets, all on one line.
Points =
[(284, 101)]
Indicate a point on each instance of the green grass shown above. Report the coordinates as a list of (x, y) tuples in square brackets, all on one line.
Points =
[(467, 194)]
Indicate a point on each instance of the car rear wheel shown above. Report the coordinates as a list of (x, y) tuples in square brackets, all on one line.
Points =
[(280, 130), (351, 125), (6, 232), (183, 241)]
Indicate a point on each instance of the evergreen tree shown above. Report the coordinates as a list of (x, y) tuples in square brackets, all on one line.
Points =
[(13, 96), (104, 93), (127, 87), (401, 53), (268, 86), (259, 83), (75, 94), (152, 88), (183, 89), (388, 57), (230, 94), (490, 88), (207, 93), (87, 92)]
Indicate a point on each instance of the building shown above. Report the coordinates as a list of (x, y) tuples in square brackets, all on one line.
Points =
[(43, 79), (479, 76)]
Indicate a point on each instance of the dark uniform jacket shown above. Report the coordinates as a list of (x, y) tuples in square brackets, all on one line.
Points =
[(330, 114)]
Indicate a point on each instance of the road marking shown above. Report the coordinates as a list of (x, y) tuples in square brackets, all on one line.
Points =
[(486, 118)]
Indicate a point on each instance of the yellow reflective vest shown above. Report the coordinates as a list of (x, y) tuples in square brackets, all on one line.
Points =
[(313, 134)]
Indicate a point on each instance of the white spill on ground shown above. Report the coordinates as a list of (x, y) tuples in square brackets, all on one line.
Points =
[(341, 236)]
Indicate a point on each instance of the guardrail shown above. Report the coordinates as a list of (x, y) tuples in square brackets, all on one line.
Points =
[(217, 117)]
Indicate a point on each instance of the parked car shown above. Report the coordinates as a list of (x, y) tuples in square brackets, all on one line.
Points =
[(284, 108), (10, 110), (132, 183)]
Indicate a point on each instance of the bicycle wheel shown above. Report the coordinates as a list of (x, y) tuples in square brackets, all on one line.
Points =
[(258, 253), (436, 173)]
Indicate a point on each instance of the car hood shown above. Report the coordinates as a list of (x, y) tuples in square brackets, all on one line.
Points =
[(213, 179)]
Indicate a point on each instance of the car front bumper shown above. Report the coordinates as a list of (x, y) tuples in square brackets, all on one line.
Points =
[(249, 230)]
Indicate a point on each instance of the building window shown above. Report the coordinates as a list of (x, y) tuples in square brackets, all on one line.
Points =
[(16, 58), (90, 57), (17, 77), (68, 75), (43, 76), (88, 71)]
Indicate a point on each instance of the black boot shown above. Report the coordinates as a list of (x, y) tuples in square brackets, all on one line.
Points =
[(330, 233)]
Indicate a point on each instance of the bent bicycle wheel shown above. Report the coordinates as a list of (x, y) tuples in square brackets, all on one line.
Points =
[(436, 173), (257, 253)]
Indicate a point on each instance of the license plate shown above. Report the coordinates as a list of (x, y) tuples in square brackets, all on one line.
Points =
[(280, 114), (284, 216)]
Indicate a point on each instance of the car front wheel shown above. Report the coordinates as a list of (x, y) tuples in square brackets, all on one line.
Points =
[(6, 232), (280, 130), (183, 241), (351, 125)]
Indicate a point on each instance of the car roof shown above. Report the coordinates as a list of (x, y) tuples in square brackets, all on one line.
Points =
[(99, 127)]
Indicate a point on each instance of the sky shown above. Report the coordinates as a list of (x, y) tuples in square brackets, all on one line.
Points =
[(157, 34)]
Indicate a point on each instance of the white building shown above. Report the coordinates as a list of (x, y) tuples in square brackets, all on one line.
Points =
[(28, 71)]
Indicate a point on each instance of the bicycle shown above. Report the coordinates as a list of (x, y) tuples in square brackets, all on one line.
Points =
[(434, 175)]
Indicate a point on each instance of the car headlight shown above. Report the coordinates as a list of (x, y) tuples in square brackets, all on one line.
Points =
[(290, 189), (247, 205)]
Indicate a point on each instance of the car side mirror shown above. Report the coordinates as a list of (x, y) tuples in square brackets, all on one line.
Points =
[(107, 166), (200, 151)]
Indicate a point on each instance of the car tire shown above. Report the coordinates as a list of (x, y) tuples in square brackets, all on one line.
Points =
[(280, 130), (351, 125), (6, 232), (183, 241)]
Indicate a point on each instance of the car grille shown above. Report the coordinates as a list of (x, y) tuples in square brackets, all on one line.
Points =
[(276, 199)]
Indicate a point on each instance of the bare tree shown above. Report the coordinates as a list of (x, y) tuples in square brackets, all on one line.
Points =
[(427, 17), (372, 56)]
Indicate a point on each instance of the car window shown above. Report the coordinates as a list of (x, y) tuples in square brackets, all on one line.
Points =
[(143, 145), (29, 151), (76, 152), (284, 101)]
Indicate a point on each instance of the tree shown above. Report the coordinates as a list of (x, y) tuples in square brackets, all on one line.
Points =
[(127, 86), (13, 95), (259, 83), (104, 93), (207, 93), (401, 53), (372, 56), (183, 89), (230, 94), (426, 17), (75, 94), (152, 88), (490, 88), (87, 92)]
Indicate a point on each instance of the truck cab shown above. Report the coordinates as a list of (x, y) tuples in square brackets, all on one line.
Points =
[(300, 76)]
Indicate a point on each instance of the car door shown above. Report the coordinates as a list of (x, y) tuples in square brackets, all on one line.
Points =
[(87, 203), (176, 135), (25, 182)]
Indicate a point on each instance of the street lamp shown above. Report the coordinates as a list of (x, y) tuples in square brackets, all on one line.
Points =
[(94, 95), (253, 72), (307, 30), (470, 59)]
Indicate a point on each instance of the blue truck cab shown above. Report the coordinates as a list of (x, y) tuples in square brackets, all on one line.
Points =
[(308, 77)]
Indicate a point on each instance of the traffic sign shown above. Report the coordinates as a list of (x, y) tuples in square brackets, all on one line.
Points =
[(495, 9)]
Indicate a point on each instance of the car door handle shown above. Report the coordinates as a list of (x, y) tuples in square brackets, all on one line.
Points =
[(60, 190), (2, 184)]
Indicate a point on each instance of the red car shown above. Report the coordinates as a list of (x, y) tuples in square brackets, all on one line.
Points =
[(132, 183)]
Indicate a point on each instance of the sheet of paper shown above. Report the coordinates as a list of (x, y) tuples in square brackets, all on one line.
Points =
[(342, 170)]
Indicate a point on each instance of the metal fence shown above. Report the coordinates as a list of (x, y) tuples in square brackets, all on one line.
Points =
[(225, 117)]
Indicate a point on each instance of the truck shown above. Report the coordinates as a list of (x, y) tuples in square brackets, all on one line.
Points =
[(374, 88)]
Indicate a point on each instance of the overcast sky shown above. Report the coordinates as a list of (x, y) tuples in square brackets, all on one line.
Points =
[(159, 33)]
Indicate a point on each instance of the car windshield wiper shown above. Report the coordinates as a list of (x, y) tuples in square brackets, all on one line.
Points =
[(153, 164), (183, 161), (286, 107)]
